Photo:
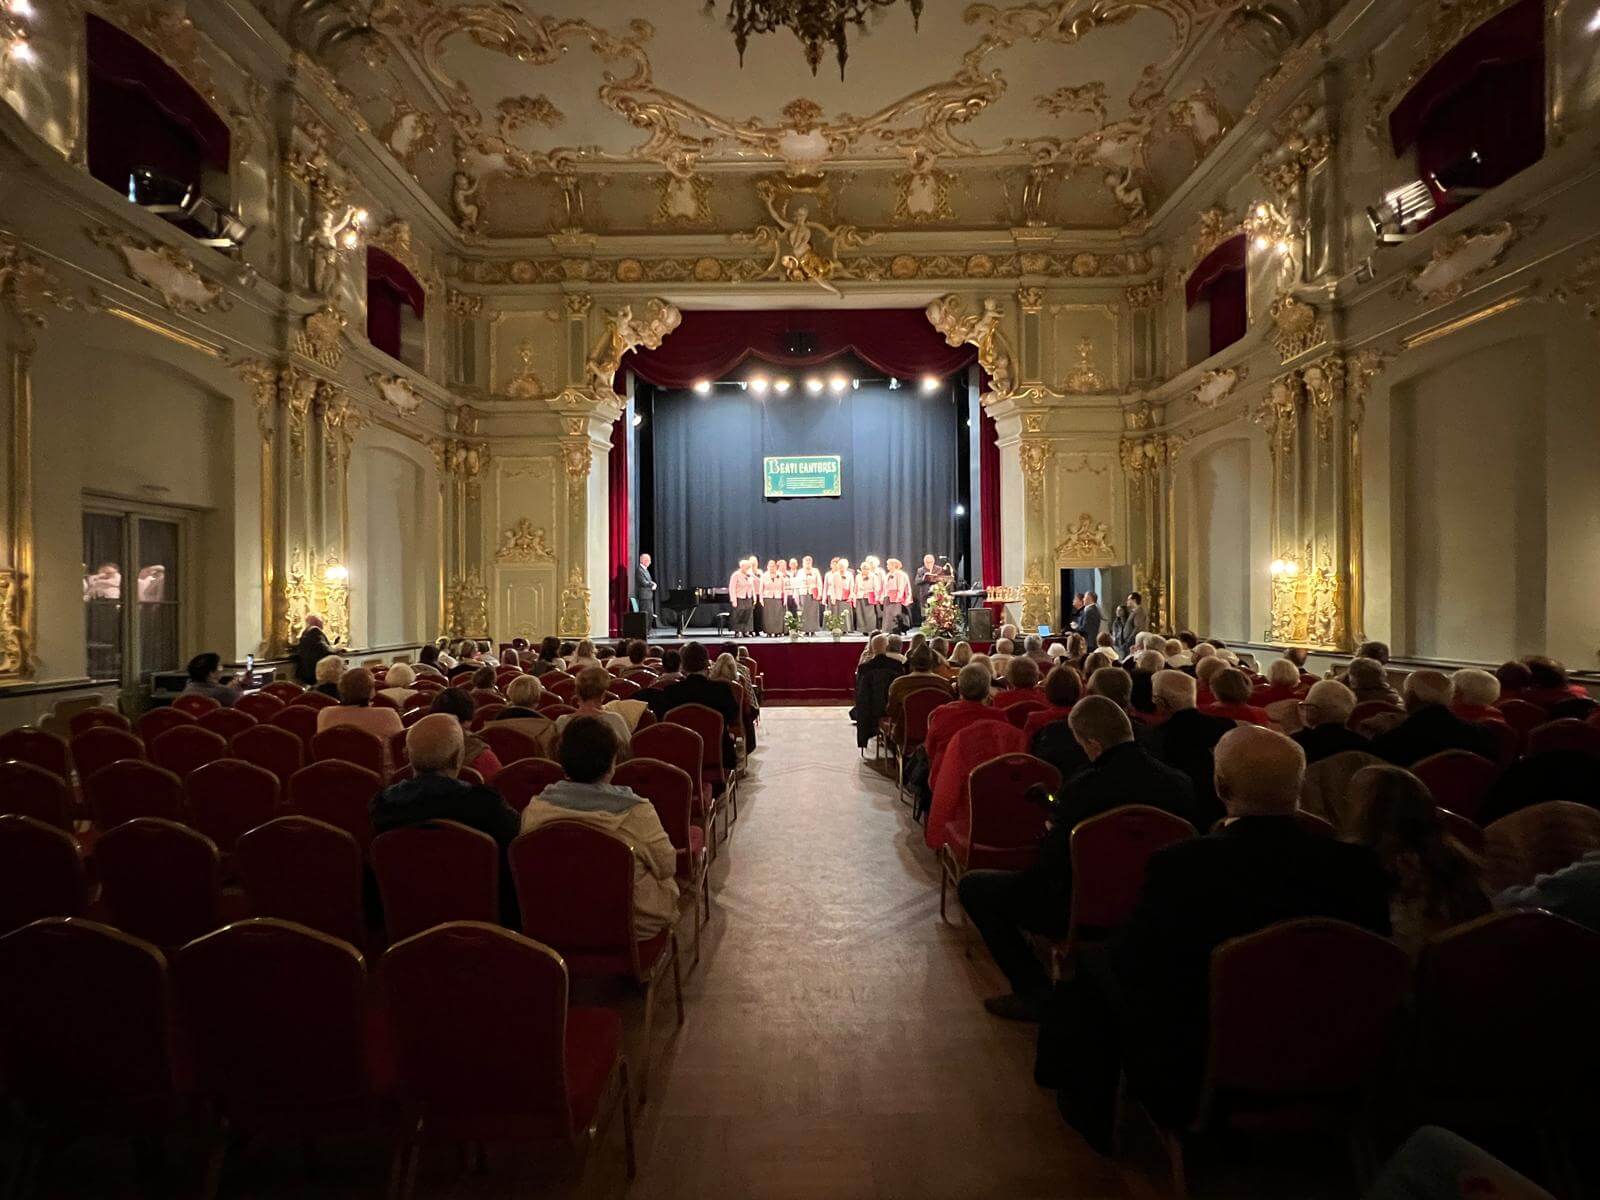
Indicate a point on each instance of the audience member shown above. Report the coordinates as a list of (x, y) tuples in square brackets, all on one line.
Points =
[(1231, 687), (485, 680), (587, 751), (1377, 651), (428, 661), (205, 679), (1283, 683), (1430, 726), (1050, 736), (397, 683), (923, 674), (522, 712), (697, 688), (874, 677), (355, 708), (971, 704), (1548, 683), (1367, 679), (328, 671), (548, 657), (591, 701), (1323, 714), (1514, 678), (1473, 695), (456, 703), (583, 656), (671, 667), (1022, 683), (1184, 737)]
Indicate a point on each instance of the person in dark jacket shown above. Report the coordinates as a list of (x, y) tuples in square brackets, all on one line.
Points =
[(1325, 710), (1141, 1005), (873, 679), (697, 688), (1005, 904), (311, 649), (1430, 726), (1184, 738)]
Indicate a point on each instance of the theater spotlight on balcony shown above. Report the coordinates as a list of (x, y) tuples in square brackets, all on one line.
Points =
[(1401, 214)]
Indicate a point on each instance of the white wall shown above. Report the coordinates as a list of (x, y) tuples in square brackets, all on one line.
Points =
[(1218, 515), (392, 548)]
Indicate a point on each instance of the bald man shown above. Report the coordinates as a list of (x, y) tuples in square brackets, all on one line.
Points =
[(1142, 1005)]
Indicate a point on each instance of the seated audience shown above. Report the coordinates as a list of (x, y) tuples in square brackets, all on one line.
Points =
[(1022, 682), (485, 680), (1283, 683), (1205, 670), (548, 657), (1377, 651), (329, 670), (397, 683), (1548, 775), (1572, 892), (455, 702), (1323, 714), (583, 656), (1062, 688), (1435, 882), (697, 688), (671, 667), (1231, 687), (355, 708), (971, 704), (205, 679), (1473, 696), (590, 698), (522, 712), (874, 677), (587, 751), (1184, 737), (726, 670), (1141, 1007), (428, 661), (1514, 678), (961, 655), (896, 649), (1368, 680), (923, 674), (1430, 726), (1000, 656), (1548, 683), (1033, 647)]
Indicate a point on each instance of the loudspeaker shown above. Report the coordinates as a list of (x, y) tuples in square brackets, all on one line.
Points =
[(799, 342), (635, 625), (980, 625)]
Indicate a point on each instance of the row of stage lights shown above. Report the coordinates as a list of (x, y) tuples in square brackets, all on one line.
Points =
[(814, 384)]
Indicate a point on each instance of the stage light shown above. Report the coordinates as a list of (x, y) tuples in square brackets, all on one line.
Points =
[(961, 510), (759, 385), (894, 385), (702, 387), (813, 385), (837, 384), (855, 385), (782, 386), (930, 383)]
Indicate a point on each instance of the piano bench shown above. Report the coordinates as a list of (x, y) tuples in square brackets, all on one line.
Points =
[(724, 621)]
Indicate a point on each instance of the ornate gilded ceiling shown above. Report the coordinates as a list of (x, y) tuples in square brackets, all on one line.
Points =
[(527, 117)]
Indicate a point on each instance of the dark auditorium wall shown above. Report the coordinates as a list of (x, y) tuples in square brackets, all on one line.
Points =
[(899, 477)]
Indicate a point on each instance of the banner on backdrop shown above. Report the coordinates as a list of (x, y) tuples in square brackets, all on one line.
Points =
[(792, 476)]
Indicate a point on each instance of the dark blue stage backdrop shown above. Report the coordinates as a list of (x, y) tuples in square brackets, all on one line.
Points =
[(899, 476)]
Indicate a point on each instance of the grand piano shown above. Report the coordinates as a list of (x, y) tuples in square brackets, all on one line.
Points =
[(697, 607)]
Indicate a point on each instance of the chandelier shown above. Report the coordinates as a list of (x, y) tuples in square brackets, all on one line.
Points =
[(816, 23)]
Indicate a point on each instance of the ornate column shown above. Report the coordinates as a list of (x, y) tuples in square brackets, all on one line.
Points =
[(460, 461), (1363, 367)]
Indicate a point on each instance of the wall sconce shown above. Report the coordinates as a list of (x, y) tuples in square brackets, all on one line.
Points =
[(336, 573), (1284, 567), (1270, 229), (13, 31)]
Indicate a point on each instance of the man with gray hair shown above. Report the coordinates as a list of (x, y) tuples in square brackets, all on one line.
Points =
[(874, 677), (1430, 726), (1141, 1006), (1183, 736), (1005, 904), (1323, 714)]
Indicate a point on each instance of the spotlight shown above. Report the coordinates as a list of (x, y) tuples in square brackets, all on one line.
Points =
[(837, 384), (961, 510), (855, 385), (930, 383), (702, 387), (782, 386), (759, 385), (638, 420), (1397, 218), (813, 385), (894, 385)]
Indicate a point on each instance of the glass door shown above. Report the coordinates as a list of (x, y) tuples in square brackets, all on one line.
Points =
[(132, 595)]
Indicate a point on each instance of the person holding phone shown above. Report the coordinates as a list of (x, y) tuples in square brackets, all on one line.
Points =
[(205, 679)]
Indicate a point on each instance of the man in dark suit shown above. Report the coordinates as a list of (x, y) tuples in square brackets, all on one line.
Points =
[(644, 591), (1325, 710), (1004, 904), (311, 649), (696, 688), (874, 677), (1141, 1006), (1184, 738), (1090, 618), (1430, 726)]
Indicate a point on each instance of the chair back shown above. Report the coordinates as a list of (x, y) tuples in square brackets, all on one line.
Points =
[(298, 719), (346, 743), (339, 793), (1302, 1010), (483, 697), (575, 889), (1285, 715), (195, 705), (157, 721), (1325, 792), (1019, 712), (916, 710), (483, 714), (228, 722), (275, 749), (100, 746), (524, 779), (282, 690), (30, 791), (131, 788), (434, 872), (1522, 716), (1002, 816), (276, 1015), (1537, 840), (1503, 1003), (228, 797), (1109, 855), (1463, 829), (313, 700), (182, 749), (509, 745), (41, 873), (1569, 733), (30, 744), (260, 705), (670, 791), (624, 689), (97, 717), (708, 723), (509, 1060), (303, 870), (160, 880), (565, 686), (84, 1026), (1507, 741), (1458, 779), (1367, 709), (669, 742)]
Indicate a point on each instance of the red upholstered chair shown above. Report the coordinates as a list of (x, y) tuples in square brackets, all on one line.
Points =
[(1458, 779), (645, 721), (918, 707), (313, 700), (1537, 840), (100, 746), (525, 1067), (381, 701), (159, 880), (427, 683), (195, 705), (558, 710), (346, 743), (1565, 734), (30, 791), (41, 873), (1507, 741), (1368, 709), (304, 870), (228, 722), (483, 697), (85, 1031), (1463, 830), (131, 788), (398, 754), (96, 718), (524, 779), (277, 1016), (624, 689), (29, 744), (1303, 1015), (336, 792), (1109, 854), (1502, 1006), (484, 714), (260, 705), (298, 719), (157, 721), (549, 700), (681, 746), (434, 872), (509, 745), (282, 690), (671, 793), (278, 750), (1019, 712), (708, 723), (183, 749), (468, 775), (575, 891), (504, 675), (412, 715), (1001, 828), (228, 797), (565, 686), (1522, 716)]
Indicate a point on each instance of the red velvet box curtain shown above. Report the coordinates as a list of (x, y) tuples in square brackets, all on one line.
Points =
[(1220, 279), (390, 288), (989, 499), (617, 524)]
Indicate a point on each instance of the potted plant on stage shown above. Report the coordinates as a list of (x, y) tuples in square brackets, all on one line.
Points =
[(836, 622), (941, 616), (791, 622)]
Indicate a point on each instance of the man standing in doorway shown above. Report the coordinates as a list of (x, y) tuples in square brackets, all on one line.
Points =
[(1138, 615), (644, 591), (1090, 618)]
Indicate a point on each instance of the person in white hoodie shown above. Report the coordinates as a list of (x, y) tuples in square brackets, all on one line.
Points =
[(588, 753)]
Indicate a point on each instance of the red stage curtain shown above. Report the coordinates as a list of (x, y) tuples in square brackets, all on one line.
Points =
[(1220, 280), (709, 345), (989, 498), (617, 524), (390, 286)]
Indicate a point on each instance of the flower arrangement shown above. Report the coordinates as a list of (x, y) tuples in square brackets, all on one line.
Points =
[(837, 623), (941, 616), (791, 624)]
